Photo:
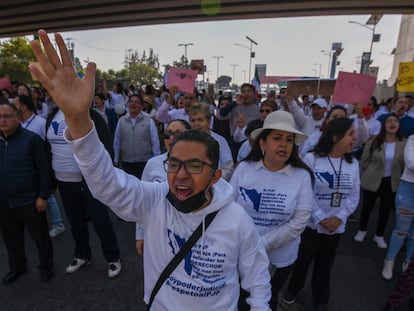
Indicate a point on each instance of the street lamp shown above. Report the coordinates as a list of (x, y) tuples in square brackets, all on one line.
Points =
[(320, 68), (328, 53), (234, 67), (373, 20), (251, 54), (185, 49), (218, 64), (319, 80)]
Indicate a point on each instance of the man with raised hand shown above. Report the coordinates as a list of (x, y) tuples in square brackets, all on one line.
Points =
[(229, 253)]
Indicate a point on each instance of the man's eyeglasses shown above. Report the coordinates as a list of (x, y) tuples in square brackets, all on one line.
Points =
[(169, 133), (265, 110), (194, 166)]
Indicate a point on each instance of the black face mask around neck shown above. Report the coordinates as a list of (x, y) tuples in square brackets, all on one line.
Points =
[(189, 205)]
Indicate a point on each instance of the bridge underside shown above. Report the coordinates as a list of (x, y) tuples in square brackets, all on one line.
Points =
[(24, 17)]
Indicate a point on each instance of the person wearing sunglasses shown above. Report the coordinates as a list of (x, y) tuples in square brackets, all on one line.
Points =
[(154, 170), (228, 253)]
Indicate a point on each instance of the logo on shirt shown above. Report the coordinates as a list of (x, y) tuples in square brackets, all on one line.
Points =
[(58, 127), (176, 243), (253, 196), (325, 177)]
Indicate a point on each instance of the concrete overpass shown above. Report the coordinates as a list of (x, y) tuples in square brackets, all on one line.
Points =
[(24, 17)]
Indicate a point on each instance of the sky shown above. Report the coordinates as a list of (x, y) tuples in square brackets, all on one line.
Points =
[(288, 46)]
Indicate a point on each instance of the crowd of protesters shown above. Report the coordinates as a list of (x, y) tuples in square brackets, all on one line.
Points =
[(298, 167)]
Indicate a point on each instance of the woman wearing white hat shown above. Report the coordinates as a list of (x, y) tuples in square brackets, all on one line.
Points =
[(274, 185)]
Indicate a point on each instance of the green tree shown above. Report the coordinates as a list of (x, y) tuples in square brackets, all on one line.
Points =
[(153, 59), (15, 55), (144, 69), (144, 74), (182, 62)]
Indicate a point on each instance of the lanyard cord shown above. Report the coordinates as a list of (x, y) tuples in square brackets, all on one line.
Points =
[(337, 173), (30, 121)]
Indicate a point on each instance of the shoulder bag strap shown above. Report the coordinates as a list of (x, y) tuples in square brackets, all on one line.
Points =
[(180, 256)]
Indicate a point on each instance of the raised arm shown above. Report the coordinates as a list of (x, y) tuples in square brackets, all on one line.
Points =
[(72, 94)]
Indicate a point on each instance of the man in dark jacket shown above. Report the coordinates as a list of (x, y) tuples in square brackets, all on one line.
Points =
[(24, 189)]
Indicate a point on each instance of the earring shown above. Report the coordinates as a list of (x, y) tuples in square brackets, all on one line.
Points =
[(263, 153)]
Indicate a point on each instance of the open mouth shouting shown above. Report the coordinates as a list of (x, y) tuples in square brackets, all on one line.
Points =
[(183, 192)]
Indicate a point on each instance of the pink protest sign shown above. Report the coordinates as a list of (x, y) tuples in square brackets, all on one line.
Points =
[(351, 88), (182, 78), (5, 84)]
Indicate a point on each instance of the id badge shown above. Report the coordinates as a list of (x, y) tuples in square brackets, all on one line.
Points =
[(336, 199)]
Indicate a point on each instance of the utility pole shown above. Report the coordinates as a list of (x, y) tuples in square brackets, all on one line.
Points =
[(185, 50), (218, 64), (71, 48), (252, 54), (234, 66)]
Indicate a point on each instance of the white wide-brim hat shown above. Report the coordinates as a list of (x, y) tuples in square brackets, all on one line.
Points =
[(282, 121)]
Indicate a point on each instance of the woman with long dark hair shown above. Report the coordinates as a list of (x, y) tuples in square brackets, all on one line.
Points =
[(274, 186), (382, 163), (335, 198)]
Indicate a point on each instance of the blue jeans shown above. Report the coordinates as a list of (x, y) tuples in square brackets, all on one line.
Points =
[(54, 211), (404, 221)]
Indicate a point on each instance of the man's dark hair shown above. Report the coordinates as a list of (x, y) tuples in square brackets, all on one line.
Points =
[(212, 146), (100, 95), (335, 128), (7, 103), (248, 85), (136, 95), (27, 101)]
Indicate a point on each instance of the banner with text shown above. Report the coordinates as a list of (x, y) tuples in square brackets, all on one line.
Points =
[(405, 79), (182, 78), (352, 88)]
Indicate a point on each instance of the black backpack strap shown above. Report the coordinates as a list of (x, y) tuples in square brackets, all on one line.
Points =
[(180, 256)]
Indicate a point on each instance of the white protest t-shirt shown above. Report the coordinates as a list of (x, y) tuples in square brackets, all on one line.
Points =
[(271, 199)]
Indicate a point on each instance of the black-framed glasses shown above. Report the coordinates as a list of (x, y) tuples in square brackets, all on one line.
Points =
[(169, 133), (193, 166), (265, 110)]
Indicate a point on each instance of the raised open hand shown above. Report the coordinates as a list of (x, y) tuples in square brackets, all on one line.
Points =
[(72, 94)]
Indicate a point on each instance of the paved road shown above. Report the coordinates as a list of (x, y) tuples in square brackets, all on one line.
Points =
[(356, 281)]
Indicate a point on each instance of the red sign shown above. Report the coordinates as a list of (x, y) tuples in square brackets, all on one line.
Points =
[(352, 88)]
